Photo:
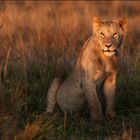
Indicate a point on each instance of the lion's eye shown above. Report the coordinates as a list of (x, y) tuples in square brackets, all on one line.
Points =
[(102, 34), (115, 34)]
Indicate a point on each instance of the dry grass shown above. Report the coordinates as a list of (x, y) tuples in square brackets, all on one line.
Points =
[(41, 40)]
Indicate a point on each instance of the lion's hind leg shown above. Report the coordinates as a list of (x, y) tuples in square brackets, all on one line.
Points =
[(52, 95)]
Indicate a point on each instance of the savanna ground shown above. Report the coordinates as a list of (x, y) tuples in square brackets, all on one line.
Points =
[(41, 40)]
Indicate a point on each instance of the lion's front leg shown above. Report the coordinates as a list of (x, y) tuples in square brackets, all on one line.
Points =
[(109, 92), (93, 101)]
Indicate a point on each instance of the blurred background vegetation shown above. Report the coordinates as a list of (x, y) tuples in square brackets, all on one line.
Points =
[(40, 40)]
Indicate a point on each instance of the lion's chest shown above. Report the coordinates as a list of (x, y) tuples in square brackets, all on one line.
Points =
[(111, 65), (99, 76), (111, 68)]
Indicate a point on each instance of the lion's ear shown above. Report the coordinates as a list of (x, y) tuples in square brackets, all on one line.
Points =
[(123, 23), (96, 23)]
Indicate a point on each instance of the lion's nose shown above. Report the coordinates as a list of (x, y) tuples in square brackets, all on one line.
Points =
[(108, 45)]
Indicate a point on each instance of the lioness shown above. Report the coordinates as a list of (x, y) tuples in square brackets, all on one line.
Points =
[(95, 68)]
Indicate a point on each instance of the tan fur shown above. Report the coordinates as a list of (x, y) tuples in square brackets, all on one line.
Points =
[(96, 68)]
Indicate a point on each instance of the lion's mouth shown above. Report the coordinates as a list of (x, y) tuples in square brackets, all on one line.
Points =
[(109, 52)]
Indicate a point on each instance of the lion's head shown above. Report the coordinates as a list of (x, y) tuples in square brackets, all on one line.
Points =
[(109, 34)]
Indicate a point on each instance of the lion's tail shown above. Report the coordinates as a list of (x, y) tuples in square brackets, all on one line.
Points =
[(52, 94)]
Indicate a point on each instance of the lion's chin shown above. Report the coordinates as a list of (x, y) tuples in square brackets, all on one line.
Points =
[(109, 53)]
